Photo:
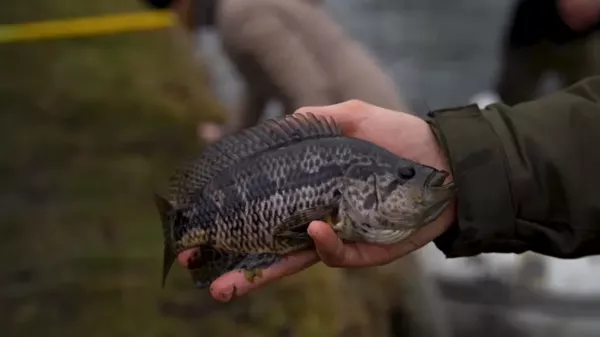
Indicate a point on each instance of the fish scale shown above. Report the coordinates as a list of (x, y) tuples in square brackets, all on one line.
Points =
[(248, 199), (268, 205)]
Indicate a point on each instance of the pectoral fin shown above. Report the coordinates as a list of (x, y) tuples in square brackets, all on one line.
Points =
[(295, 226)]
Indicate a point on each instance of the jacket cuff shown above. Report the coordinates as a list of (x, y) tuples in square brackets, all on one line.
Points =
[(485, 215)]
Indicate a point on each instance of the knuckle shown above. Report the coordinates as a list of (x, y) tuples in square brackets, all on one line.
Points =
[(332, 263), (414, 244), (308, 110), (334, 259), (302, 110), (356, 104)]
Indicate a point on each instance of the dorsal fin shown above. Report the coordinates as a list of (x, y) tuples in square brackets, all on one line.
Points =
[(247, 143)]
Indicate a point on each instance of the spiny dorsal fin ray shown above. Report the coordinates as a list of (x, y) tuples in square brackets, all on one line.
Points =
[(247, 143)]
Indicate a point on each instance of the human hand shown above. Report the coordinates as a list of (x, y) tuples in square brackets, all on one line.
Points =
[(405, 135), (579, 14)]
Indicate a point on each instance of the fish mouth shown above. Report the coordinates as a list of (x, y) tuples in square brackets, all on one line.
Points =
[(439, 193), (435, 210), (437, 179)]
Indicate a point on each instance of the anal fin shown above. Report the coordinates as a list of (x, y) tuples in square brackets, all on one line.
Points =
[(216, 263), (211, 263), (254, 264)]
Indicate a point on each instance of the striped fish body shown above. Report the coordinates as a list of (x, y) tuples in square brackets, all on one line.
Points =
[(264, 204), (248, 199)]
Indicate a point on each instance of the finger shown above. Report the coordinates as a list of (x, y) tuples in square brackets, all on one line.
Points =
[(234, 283), (186, 257), (324, 109), (423, 236), (328, 245), (347, 114)]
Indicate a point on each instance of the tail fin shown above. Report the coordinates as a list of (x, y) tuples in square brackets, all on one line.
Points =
[(164, 207)]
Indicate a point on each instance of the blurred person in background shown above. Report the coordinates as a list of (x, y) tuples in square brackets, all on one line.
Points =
[(289, 51), (293, 52), (546, 37)]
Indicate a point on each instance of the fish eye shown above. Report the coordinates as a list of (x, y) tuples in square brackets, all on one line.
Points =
[(406, 172)]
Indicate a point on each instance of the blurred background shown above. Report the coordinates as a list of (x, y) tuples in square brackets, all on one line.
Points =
[(91, 126)]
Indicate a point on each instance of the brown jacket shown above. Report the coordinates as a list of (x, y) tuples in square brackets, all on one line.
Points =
[(292, 51)]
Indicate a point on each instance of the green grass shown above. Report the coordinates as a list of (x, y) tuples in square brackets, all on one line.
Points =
[(89, 128)]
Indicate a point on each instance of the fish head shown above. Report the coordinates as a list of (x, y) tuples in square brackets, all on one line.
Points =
[(402, 195), (412, 195)]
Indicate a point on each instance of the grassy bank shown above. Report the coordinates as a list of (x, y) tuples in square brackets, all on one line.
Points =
[(89, 128)]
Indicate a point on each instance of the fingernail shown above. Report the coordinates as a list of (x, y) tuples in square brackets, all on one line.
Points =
[(192, 259), (227, 296)]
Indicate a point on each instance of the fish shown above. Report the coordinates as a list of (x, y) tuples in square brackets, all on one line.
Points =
[(246, 201)]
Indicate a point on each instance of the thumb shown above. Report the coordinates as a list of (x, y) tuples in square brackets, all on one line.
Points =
[(329, 246)]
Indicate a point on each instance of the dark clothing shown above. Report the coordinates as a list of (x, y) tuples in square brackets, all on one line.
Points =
[(528, 176), (538, 42), (522, 70), (158, 4), (536, 21)]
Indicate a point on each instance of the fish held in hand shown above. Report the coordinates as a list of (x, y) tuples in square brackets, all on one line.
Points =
[(248, 199)]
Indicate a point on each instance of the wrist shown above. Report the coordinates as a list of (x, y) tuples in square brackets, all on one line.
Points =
[(442, 160), (484, 213)]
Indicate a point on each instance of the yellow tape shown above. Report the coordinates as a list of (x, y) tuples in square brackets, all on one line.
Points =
[(109, 24)]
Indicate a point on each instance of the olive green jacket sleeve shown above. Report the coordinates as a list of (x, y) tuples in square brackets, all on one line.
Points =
[(528, 176)]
